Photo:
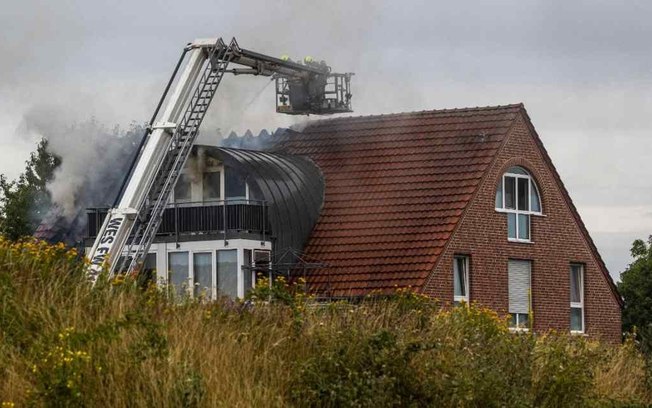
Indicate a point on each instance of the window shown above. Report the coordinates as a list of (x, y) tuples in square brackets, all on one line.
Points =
[(261, 263), (248, 271), (227, 273), (254, 192), (519, 293), (178, 272), (460, 279), (147, 275), (182, 188), (211, 186), (202, 265), (577, 298), (518, 196), (235, 185)]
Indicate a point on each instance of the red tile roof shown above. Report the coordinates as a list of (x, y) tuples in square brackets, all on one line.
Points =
[(396, 186)]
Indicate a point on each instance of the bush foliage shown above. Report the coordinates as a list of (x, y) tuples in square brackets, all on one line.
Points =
[(65, 344), (636, 288)]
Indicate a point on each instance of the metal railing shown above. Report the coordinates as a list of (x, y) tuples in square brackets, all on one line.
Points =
[(208, 217)]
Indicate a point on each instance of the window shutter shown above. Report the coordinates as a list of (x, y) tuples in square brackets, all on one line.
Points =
[(519, 286)]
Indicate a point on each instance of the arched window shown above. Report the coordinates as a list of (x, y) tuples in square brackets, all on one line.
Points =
[(518, 196)]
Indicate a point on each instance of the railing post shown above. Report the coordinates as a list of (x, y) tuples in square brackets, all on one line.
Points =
[(264, 220), (226, 243), (176, 223)]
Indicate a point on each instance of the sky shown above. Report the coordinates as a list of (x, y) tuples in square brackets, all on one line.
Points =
[(581, 68)]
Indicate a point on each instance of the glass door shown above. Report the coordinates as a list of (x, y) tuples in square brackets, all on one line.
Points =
[(202, 263)]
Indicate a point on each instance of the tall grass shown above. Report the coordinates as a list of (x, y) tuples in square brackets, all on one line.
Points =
[(64, 344)]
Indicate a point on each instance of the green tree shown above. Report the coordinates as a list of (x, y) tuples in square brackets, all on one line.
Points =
[(636, 288), (25, 201)]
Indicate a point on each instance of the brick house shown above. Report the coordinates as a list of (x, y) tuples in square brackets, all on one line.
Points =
[(463, 205)]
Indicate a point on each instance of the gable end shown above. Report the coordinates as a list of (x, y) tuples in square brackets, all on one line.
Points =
[(573, 209)]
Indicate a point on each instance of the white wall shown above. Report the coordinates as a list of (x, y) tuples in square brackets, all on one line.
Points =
[(163, 249)]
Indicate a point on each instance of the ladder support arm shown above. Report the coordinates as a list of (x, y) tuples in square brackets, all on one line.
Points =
[(117, 227)]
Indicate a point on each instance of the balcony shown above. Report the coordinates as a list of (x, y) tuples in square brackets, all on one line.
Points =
[(231, 217)]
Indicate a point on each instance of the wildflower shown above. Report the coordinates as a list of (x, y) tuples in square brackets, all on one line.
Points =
[(118, 280)]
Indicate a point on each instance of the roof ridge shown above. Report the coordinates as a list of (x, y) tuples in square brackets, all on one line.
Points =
[(488, 108)]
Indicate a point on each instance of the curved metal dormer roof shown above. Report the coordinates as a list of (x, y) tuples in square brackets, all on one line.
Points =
[(292, 186)]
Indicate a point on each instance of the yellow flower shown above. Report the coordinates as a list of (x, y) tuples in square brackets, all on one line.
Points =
[(118, 280)]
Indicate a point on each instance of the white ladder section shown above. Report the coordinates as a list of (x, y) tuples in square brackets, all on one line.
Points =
[(133, 223)]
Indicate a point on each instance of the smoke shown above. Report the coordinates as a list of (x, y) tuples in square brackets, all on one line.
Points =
[(580, 67), (338, 31), (67, 81), (196, 164), (94, 161)]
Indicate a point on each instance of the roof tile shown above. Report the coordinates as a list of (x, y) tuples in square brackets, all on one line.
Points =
[(396, 187)]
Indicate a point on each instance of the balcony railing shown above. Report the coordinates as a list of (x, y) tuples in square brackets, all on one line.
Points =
[(215, 217)]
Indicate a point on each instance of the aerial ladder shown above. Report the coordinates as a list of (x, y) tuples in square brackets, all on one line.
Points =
[(129, 228)]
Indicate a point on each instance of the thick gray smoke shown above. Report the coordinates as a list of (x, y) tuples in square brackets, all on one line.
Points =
[(94, 162), (92, 154)]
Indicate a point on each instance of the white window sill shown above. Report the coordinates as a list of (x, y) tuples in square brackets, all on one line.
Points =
[(460, 301), (504, 211), (519, 329), (520, 241), (578, 333)]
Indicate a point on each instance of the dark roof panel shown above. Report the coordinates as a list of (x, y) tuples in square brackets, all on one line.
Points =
[(292, 186)]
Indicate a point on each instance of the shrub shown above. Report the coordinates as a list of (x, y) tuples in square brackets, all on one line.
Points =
[(621, 377), (65, 344), (397, 360), (562, 370)]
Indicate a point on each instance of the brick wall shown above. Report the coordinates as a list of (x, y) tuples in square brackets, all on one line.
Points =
[(557, 241)]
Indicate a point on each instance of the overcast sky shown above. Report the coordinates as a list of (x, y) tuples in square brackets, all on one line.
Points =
[(582, 68)]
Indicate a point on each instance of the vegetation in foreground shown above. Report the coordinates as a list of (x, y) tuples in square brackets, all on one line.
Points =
[(63, 344)]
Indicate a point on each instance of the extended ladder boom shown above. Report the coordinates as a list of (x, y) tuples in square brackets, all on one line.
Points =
[(130, 227)]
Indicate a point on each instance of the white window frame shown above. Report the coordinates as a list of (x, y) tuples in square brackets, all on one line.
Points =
[(519, 328), (580, 304), (269, 264), (239, 254), (200, 186), (223, 192), (457, 298), (178, 200), (251, 270), (191, 271), (516, 211), (189, 277), (163, 249)]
